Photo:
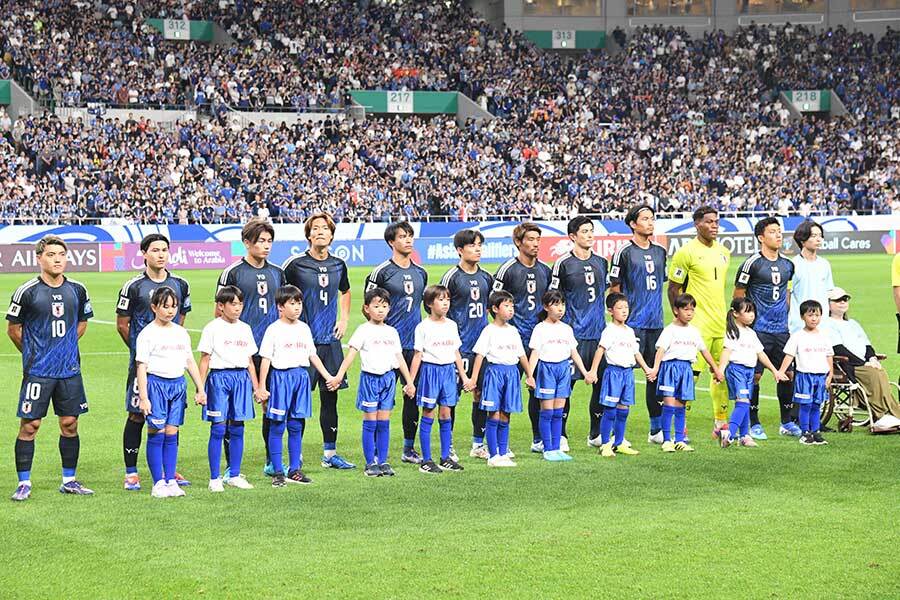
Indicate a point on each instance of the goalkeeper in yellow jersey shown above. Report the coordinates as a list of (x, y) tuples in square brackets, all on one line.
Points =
[(700, 268)]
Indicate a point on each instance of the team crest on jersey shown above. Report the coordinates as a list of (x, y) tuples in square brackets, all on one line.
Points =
[(57, 309), (475, 293), (531, 286), (26, 407), (649, 264), (589, 278), (262, 288), (323, 279), (408, 287), (776, 277)]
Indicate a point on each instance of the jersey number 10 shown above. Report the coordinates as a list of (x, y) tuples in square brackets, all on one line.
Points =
[(57, 329)]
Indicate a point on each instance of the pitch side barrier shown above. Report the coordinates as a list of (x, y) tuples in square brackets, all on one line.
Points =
[(110, 248)]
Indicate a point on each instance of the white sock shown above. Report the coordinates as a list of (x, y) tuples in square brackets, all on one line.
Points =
[(330, 453), (68, 479), (25, 482)]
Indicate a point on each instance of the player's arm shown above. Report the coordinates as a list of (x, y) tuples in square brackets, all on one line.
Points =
[(416, 363), (340, 327), (677, 276), (264, 366), (14, 331), (82, 327), (123, 326), (142, 388), (523, 361)]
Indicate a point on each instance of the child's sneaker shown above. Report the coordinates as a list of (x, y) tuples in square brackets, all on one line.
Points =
[(240, 482), (655, 438), (508, 462), (133, 482), (552, 456), (807, 439), (537, 447), (278, 481), (452, 455), (216, 485), (180, 480), (450, 464), (298, 477), (372, 470), (563, 444), (174, 489), (564, 456), (626, 450), (430, 467), (748, 442), (386, 469), (606, 450), (724, 438), (411, 456), (160, 490), (818, 440), (479, 451), (668, 446), (683, 447)]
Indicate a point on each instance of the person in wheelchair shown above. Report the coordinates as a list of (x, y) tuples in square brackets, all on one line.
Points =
[(861, 364)]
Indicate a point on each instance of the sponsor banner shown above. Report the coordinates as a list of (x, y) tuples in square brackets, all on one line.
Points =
[(847, 242), (357, 253), (605, 245), (182, 256), (20, 258)]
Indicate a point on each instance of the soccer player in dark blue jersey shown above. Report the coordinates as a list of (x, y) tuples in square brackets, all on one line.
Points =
[(257, 279), (470, 286), (581, 276), (133, 313), (47, 316), (526, 278), (638, 270), (764, 279), (405, 281), (323, 279)]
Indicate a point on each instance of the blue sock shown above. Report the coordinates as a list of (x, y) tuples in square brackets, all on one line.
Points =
[(556, 427), (502, 437), (446, 427), (214, 449), (607, 422), (425, 436), (170, 456), (477, 440), (805, 411), (24, 475), (815, 417), (329, 446), (745, 423), (154, 455), (490, 434), (621, 419), (383, 439), (276, 444), (131, 470), (235, 448), (680, 418), (655, 425), (668, 413), (68, 472), (407, 444), (740, 410), (546, 426), (368, 440), (295, 444)]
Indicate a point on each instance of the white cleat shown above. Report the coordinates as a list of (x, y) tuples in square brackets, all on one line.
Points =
[(655, 438), (175, 490), (537, 447), (160, 490), (479, 451), (563, 444), (595, 442), (240, 482), (216, 485)]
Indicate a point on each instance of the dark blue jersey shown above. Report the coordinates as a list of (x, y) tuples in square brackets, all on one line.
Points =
[(527, 286), (258, 286), (640, 274), (322, 282), (134, 302), (49, 317), (583, 285), (406, 287), (469, 293), (766, 282)]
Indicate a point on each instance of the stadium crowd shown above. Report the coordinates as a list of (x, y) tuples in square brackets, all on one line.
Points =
[(673, 120)]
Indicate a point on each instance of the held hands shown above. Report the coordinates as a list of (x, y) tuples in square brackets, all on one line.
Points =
[(650, 374), (529, 381), (590, 377), (333, 384), (144, 405), (260, 395), (468, 385), (200, 398), (717, 375), (780, 376), (409, 390)]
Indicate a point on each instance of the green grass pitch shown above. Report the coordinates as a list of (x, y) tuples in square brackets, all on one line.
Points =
[(780, 521)]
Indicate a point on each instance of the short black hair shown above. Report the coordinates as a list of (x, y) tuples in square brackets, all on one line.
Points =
[(229, 293), (760, 227), (804, 231), (498, 298), (615, 298), (162, 295), (632, 215), (464, 237), (432, 293), (153, 237), (703, 211), (550, 298), (390, 232), (808, 306), (286, 293), (684, 301), (374, 294), (577, 223)]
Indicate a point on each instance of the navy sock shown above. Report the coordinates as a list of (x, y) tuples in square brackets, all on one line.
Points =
[(680, 418), (368, 440), (503, 437), (266, 424), (805, 411), (621, 419), (214, 449), (655, 425), (276, 444), (490, 435), (740, 411), (155, 455), (236, 451), (295, 444), (425, 426), (546, 425), (446, 429), (170, 456), (69, 448), (24, 458), (556, 427), (607, 422), (668, 414), (479, 420), (131, 444), (815, 417), (383, 439)]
